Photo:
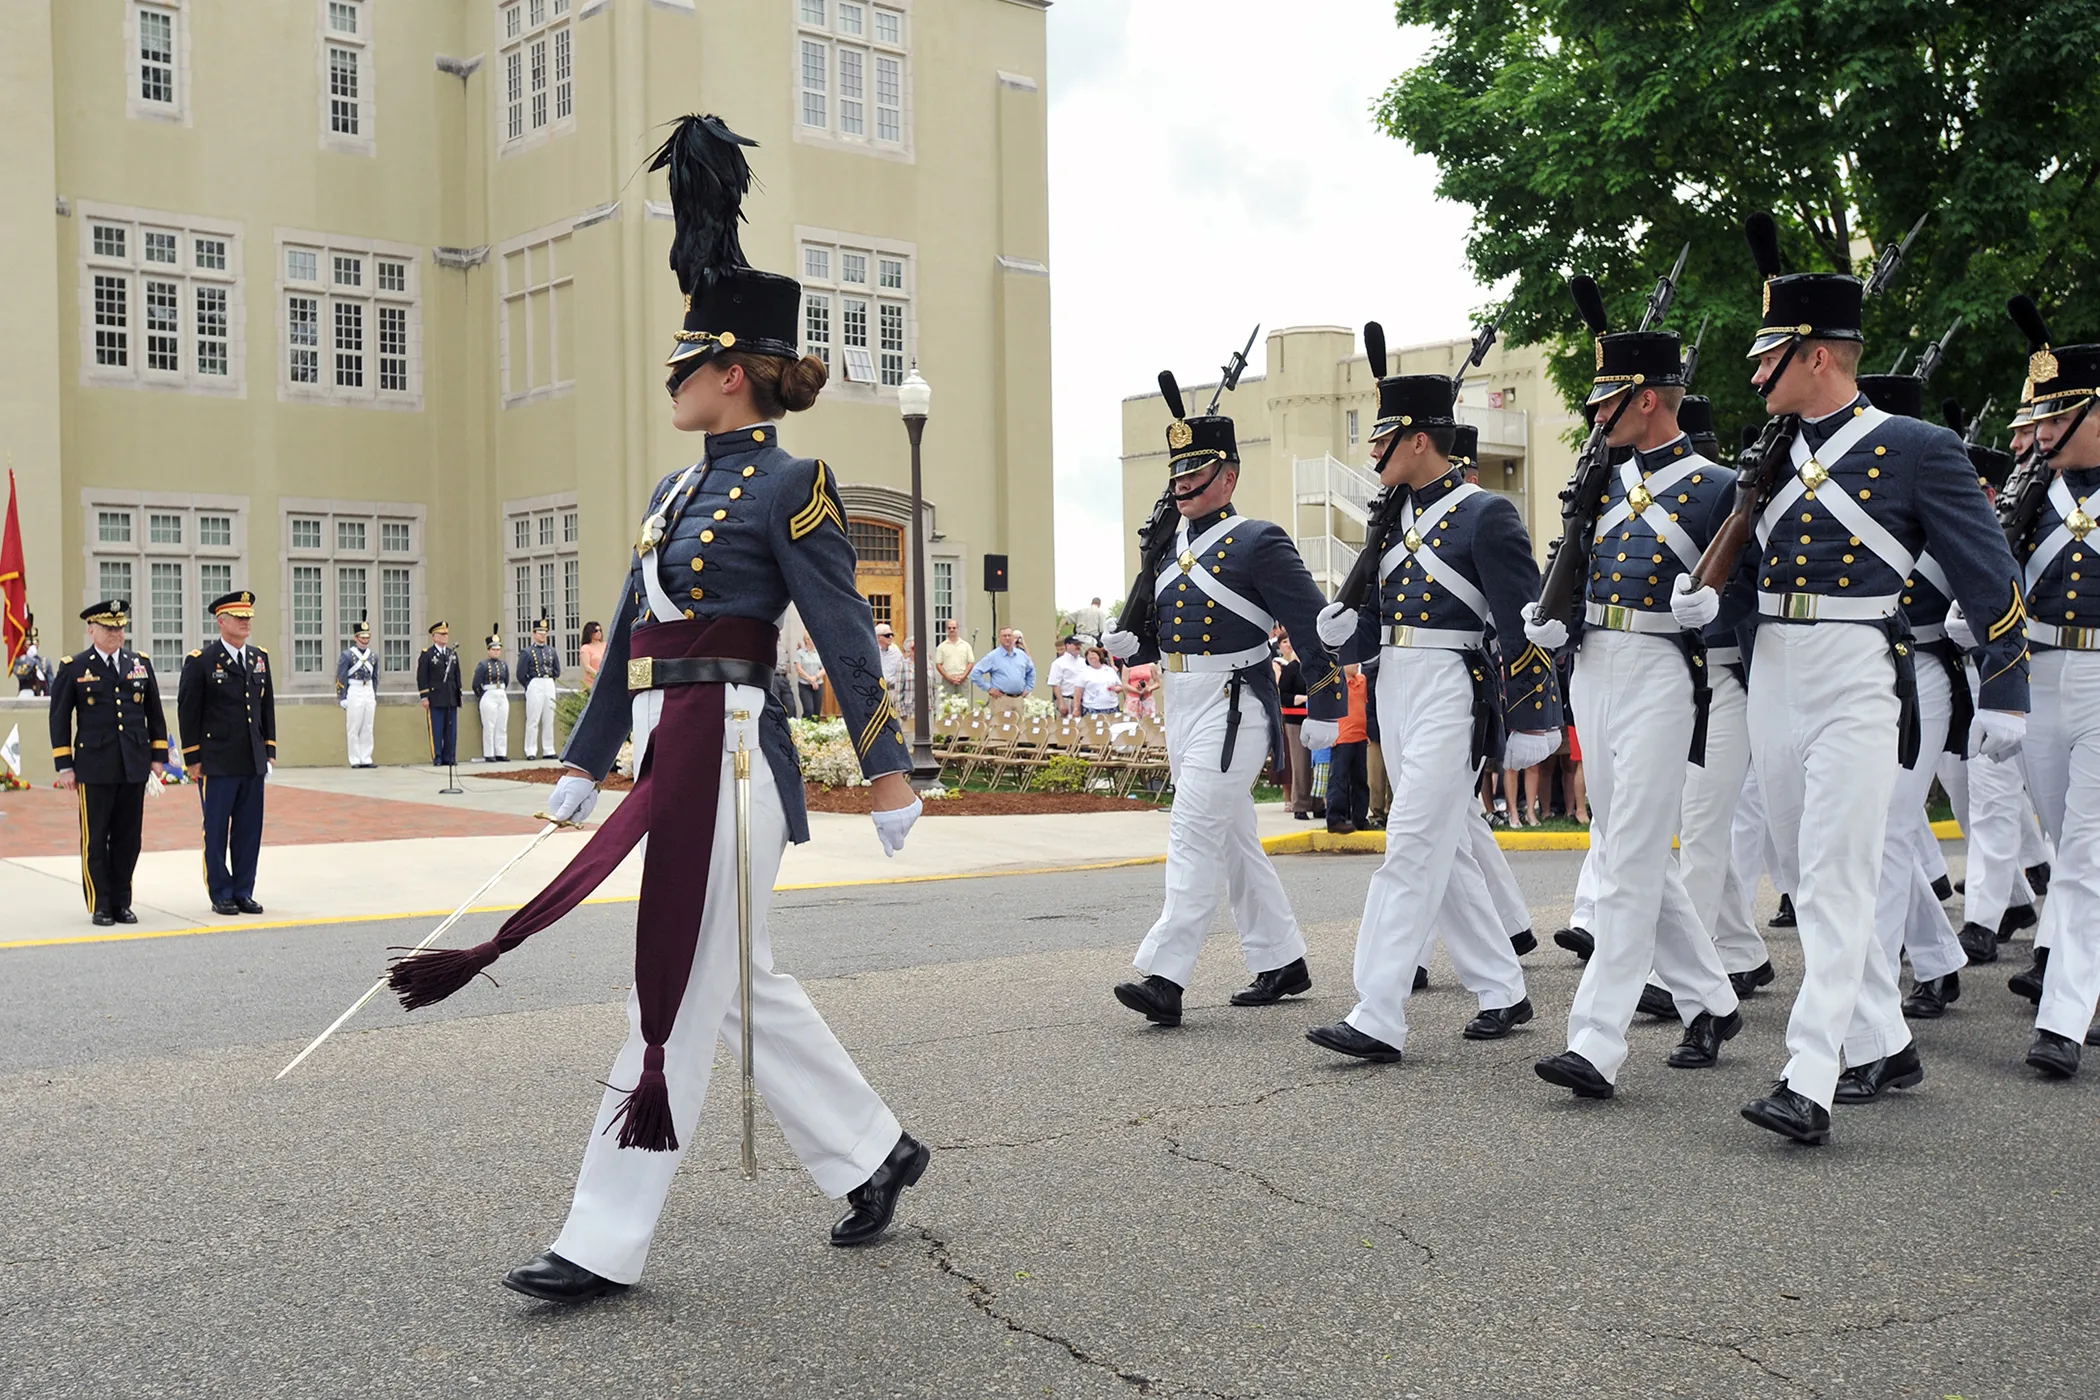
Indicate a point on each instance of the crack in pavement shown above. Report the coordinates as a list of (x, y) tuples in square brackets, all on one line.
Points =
[(1740, 1351), (1176, 1149)]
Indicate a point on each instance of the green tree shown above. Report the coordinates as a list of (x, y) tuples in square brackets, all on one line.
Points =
[(1593, 137)]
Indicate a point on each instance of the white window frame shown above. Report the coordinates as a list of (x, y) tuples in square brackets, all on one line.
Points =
[(189, 272), (557, 520), (824, 105), (136, 104), (370, 299), (537, 62), (825, 296), (364, 141), (536, 281), (330, 557), (142, 553)]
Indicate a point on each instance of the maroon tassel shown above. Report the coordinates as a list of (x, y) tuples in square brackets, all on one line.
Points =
[(426, 978), (646, 1111)]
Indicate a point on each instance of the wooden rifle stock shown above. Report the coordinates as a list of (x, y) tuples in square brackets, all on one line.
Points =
[(1768, 458), (1562, 584), (2020, 503)]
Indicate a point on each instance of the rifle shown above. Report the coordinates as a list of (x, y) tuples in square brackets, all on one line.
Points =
[(1569, 556), (1934, 353), (1691, 359), (1229, 376), (1970, 438), (1155, 540), (1482, 343), (1891, 259), (2020, 499)]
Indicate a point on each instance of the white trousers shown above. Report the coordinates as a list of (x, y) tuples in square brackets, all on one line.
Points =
[(1502, 888), (1713, 794), (539, 717), (1213, 847), (2062, 759), (1430, 880), (838, 1127), (359, 705), (495, 723), (1990, 800), (1635, 698), (1823, 722), (1907, 914)]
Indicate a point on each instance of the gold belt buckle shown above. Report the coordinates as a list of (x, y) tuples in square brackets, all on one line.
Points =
[(2078, 638), (1404, 636), (1176, 661), (641, 673), (1617, 617), (1800, 607)]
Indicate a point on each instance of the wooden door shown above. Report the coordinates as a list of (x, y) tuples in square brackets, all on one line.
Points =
[(879, 575)]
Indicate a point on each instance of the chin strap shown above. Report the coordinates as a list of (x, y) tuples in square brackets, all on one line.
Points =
[(1764, 390), (2047, 455), (1190, 495)]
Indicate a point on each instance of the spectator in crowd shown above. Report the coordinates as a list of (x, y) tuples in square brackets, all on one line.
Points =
[(591, 653), (1066, 677), (1575, 792), (1290, 689), (1099, 684), (908, 684), (1006, 670), (1088, 622), (808, 670), (892, 662), (1348, 791), (953, 659), (1381, 799), (1141, 690)]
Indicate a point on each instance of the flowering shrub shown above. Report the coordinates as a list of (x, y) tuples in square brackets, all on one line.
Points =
[(832, 764), (1064, 773)]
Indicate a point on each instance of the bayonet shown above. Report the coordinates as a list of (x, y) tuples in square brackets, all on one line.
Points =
[(1229, 376)]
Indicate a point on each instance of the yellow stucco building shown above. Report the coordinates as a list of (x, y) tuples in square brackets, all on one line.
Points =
[(363, 304)]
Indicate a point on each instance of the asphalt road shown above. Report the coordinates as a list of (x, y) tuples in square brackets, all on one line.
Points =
[(1112, 1210)]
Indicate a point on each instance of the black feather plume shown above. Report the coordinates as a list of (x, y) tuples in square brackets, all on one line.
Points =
[(1751, 433), (709, 178), (2029, 320), (1374, 348), (1950, 410), (1172, 391), (1763, 235), (1589, 301)]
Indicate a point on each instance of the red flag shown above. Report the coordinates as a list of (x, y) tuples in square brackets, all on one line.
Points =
[(14, 589)]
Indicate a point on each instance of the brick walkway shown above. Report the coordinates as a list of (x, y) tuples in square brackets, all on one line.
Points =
[(46, 822)]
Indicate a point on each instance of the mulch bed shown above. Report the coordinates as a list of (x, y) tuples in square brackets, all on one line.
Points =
[(613, 781), (860, 800)]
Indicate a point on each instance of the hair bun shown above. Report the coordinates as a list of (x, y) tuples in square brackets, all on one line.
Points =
[(801, 381)]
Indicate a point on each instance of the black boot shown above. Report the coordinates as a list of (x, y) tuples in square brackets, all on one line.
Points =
[(1783, 919), (1493, 1025), (2038, 878), (1943, 889), (1703, 1038), (1747, 983), (1790, 1115), (1865, 1083), (874, 1201), (1577, 941), (2056, 1056), (1156, 999), (1273, 986), (1980, 943), (1929, 1000), (1657, 1002), (1571, 1071), (1421, 979), (1345, 1039), (2017, 917), (2029, 983), (1522, 943), (553, 1279)]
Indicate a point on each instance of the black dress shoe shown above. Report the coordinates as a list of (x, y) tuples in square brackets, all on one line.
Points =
[(247, 906), (224, 906), (1943, 889), (1790, 1115), (2054, 1055), (103, 918), (1961, 886), (1703, 1038), (1421, 979), (1493, 1025), (1571, 1071), (1155, 998), (2017, 917), (1522, 943), (1783, 919), (1929, 1000), (2029, 983), (1747, 983), (1301, 816), (874, 1201), (1865, 1083), (554, 1279), (1657, 1002), (1274, 985), (1577, 941), (1345, 1039), (1341, 828), (2038, 878), (1980, 943), (125, 916)]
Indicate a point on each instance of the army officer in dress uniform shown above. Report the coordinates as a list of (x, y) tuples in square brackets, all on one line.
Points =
[(437, 681), (108, 737), (227, 706)]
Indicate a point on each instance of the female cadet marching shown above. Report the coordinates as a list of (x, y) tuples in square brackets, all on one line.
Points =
[(727, 545)]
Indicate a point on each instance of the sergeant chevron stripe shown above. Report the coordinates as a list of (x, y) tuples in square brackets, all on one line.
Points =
[(2015, 616), (821, 506)]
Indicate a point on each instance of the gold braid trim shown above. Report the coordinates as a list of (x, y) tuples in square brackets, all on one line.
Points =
[(2015, 616), (1525, 658), (2006, 667), (820, 508), (877, 725), (1334, 673)]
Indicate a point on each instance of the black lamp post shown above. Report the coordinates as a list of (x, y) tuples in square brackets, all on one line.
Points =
[(914, 399)]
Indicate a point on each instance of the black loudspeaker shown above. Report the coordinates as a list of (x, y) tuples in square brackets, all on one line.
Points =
[(995, 573)]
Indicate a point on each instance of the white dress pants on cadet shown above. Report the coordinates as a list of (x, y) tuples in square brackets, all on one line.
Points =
[(1823, 730), (495, 723), (539, 717), (1584, 914), (1989, 797), (2062, 757), (359, 705), (1502, 887), (1634, 694), (837, 1126), (1425, 710), (1907, 914), (1213, 847), (1473, 922), (1713, 792)]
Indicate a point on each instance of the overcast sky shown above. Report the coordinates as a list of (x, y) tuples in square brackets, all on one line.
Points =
[(1213, 164)]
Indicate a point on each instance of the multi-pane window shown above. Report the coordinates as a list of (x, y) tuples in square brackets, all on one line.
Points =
[(850, 61), (352, 323), (543, 573), (537, 58), (349, 565), (943, 594), (160, 300), (170, 556), (856, 311), (537, 315), (346, 76), (156, 80)]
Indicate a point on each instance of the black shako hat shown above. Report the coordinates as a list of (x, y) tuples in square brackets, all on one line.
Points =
[(1412, 402), (1625, 359), (2060, 378), (1465, 445), (1818, 305), (1696, 416), (729, 305), (1900, 394), (1194, 443)]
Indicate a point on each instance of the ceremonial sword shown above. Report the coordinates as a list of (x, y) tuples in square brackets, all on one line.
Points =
[(743, 932)]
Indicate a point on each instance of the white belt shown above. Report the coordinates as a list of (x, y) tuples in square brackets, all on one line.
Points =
[(1724, 656), (1222, 661), (2067, 638), (1612, 617), (1826, 607), (540, 680), (1435, 638), (359, 685), (1930, 632)]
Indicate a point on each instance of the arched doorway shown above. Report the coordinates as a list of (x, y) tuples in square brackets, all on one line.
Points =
[(878, 546)]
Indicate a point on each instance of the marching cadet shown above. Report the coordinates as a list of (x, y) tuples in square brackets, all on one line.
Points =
[(728, 545), (1831, 666), (357, 691), (227, 707), (492, 698), (1466, 551), (437, 681), (1227, 581), (539, 666), (108, 738), (1633, 683)]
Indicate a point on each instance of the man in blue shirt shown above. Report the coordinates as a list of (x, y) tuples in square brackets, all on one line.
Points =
[(1005, 671)]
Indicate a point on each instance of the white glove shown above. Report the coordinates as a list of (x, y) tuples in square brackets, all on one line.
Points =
[(891, 826), (574, 796), (1529, 750), (269, 768), (1319, 734), (1693, 604), (1121, 645), (1551, 635), (1997, 734), (1336, 625), (1958, 630)]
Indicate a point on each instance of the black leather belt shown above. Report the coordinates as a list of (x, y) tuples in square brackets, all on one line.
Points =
[(657, 672)]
